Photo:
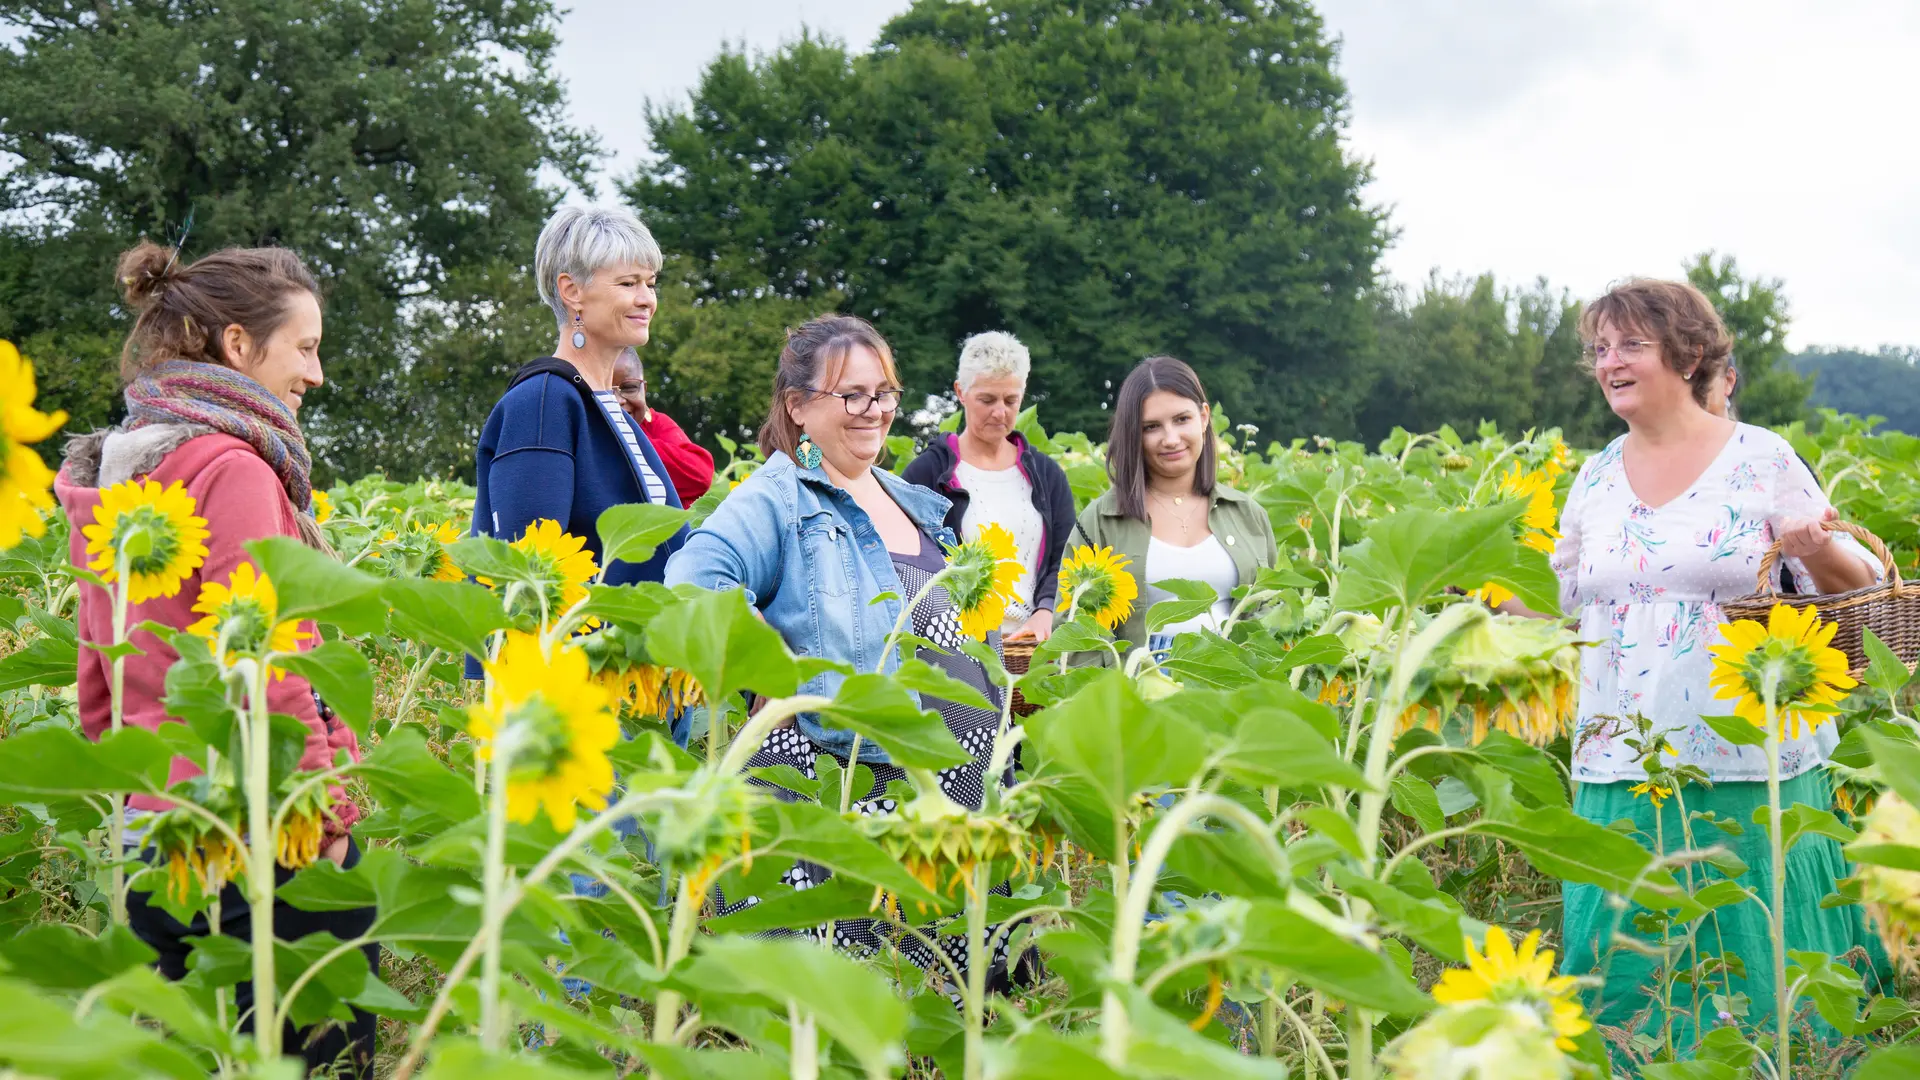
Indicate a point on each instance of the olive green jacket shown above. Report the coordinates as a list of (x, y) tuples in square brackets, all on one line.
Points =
[(1240, 523)]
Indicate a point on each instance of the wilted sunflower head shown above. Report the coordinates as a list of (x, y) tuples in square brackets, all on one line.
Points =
[(940, 842), (981, 574), (1511, 674), (244, 614), (619, 661), (1095, 582), (154, 529), (713, 820), (1524, 977), (559, 725), (1891, 894), (25, 480), (192, 849), (1809, 675)]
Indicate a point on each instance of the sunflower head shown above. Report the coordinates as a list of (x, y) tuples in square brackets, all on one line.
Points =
[(558, 723), (322, 507), (25, 480), (1096, 582), (1792, 650), (191, 848), (561, 569), (154, 529), (1506, 673), (1891, 895), (1479, 1041), (981, 574), (1524, 977), (243, 614), (941, 843), (620, 662), (421, 551), (698, 833), (1657, 793)]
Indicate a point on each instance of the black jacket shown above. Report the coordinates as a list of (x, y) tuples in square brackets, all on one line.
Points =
[(935, 466)]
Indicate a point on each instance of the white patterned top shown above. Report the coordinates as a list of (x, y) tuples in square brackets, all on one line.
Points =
[(1647, 583), (1004, 497)]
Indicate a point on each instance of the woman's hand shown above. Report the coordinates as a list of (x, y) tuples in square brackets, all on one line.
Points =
[(1037, 628), (1835, 569), (337, 851), (1802, 538)]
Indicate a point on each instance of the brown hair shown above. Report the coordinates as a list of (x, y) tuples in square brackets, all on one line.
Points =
[(815, 354), (184, 308), (1694, 343), (1126, 463)]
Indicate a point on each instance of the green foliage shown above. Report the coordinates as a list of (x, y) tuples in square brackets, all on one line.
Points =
[(1105, 180), (1769, 391), (1885, 383), (396, 146)]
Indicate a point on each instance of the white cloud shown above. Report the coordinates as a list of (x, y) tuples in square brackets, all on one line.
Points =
[(1586, 140)]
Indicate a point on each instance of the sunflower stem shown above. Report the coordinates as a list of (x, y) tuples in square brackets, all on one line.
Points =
[(686, 918), (260, 860), (976, 974), (493, 887), (117, 817), (804, 1059), (1782, 1007)]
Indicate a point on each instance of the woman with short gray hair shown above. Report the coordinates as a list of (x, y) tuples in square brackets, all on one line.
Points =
[(558, 445), (992, 475)]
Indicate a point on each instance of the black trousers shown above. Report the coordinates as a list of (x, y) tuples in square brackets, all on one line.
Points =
[(325, 1044)]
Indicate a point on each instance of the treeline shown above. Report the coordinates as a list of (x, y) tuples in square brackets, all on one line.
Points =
[(1105, 178), (1883, 383)]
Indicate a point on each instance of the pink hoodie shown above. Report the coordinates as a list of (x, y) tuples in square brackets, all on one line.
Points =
[(241, 499)]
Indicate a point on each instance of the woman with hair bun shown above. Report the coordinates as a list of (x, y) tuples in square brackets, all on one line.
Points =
[(222, 354)]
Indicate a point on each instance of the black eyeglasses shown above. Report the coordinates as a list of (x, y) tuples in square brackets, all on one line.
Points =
[(859, 402)]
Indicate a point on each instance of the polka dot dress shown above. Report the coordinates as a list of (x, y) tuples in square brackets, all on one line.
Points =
[(972, 727)]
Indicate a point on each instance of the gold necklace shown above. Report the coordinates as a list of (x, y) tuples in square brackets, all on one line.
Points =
[(1180, 515)]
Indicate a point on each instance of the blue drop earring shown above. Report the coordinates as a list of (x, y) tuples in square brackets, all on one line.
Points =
[(806, 453), (579, 333)]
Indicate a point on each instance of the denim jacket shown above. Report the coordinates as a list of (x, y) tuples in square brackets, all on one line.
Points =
[(811, 561)]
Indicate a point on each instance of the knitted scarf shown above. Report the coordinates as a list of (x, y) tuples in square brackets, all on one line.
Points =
[(193, 392)]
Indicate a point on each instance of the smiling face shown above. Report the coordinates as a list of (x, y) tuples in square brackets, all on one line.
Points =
[(616, 307), (849, 443), (1171, 430), (1634, 375), (992, 404), (287, 363)]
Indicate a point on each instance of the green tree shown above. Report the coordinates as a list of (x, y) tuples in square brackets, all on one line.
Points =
[(1885, 383), (1770, 391), (395, 144), (1105, 178)]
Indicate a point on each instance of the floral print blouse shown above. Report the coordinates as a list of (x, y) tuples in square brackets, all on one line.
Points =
[(1646, 583)]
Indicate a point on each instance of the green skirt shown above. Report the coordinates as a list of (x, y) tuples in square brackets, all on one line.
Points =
[(1632, 973)]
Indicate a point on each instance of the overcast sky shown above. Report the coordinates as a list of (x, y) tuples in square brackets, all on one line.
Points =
[(1583, 140)]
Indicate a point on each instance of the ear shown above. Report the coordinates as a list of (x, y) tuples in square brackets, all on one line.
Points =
[(571, 292), (957, 391), (235, 346), (793, 404)]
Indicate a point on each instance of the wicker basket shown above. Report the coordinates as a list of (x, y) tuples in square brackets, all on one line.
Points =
[(1017, 657), (1890, 608)]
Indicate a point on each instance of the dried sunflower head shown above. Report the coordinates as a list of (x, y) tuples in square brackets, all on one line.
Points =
[(941, 843)]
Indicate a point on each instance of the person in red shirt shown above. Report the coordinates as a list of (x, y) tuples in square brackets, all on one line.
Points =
[(689, 467)]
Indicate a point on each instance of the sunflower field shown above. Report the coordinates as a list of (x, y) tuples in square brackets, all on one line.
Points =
[(1328, 844)]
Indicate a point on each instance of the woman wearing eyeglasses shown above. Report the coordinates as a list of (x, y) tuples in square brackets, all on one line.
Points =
[(1660, 527), (816, 538), (688, 464)]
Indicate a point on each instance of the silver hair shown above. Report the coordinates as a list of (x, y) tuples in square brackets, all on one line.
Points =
[(579, 241), (991, 354)]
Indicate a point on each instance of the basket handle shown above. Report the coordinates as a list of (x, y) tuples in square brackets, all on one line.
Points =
[(1771, 559)]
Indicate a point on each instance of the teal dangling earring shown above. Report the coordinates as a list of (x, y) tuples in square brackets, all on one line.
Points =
[(807, 454), (579, 332)]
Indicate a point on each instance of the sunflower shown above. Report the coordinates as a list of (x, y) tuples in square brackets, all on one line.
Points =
[(422, 551), (941, 843), (1508, 673), (322, 507), (1810, 676), (1095, 582), (1659, 793), (245, 612), (619, 661), (697, 834), (25, 481), (1892, 894), (192, 849), (560, 562), (1524, 976), (563, 725), (1536, 523), (155, 529), (980, 577)]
